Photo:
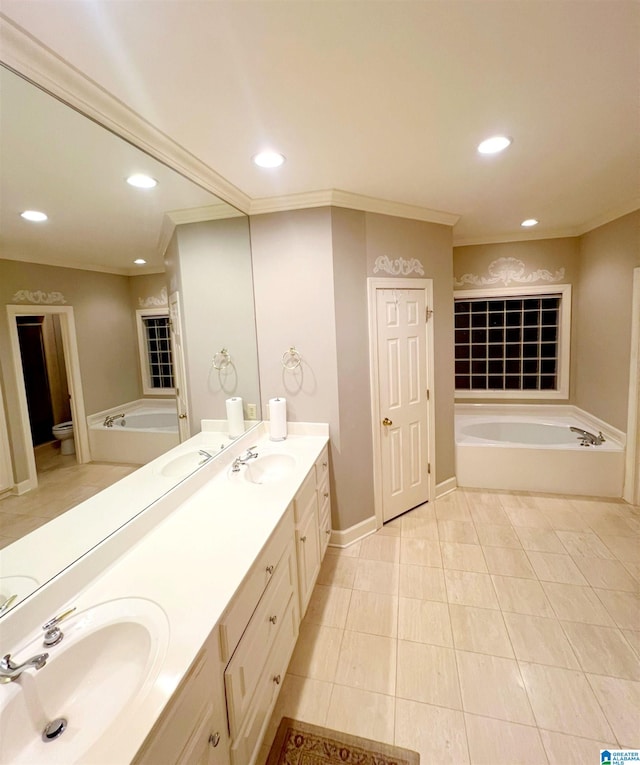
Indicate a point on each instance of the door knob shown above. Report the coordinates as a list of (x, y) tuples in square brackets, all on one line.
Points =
[(386, 422), (182, 416)]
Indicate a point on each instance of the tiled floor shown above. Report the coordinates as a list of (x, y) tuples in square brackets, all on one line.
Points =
[(62, 483), (483, 628)]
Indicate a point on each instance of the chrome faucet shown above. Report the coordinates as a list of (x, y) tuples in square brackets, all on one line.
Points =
[(108, 420), (250, 454), (588, 439), (10, 671)]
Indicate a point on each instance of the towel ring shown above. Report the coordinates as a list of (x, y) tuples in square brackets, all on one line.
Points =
[(221, 360), (291, 359)]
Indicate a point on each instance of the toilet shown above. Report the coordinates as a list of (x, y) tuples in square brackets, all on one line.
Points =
[(64, 433)]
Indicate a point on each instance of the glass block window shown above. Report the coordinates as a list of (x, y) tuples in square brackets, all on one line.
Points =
[(509, 343), (156, 362)]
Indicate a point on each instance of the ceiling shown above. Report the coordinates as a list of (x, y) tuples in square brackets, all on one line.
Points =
[(387, 100)]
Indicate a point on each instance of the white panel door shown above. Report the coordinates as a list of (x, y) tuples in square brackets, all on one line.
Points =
[(403, 411), (179, 371)]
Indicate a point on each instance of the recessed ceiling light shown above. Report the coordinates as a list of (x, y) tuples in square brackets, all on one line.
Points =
[(494, 144), (139, 261), (529, 222), (268, 159), (141, 181), (34, 215)]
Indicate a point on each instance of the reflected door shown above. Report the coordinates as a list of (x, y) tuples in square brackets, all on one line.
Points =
[(179, 371), (403, 411)]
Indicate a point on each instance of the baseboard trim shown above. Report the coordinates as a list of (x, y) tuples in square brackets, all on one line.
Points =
[(346, 537), (446, 487)]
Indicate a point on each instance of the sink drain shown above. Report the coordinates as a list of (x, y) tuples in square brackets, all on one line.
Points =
[(54, 729)]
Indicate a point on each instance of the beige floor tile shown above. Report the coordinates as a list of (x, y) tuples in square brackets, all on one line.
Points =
[(603, 650), (538, 639), (540, 540), (620, 701), (624, 548), (351, 551), (563, 701), (565, 519), (422, 582), (556, 568), (328, 606), (301, 699), (615, 526), (391, 528), (571, 750), (633, 638), (634, 569), (420, 552), (481, 630), (367, 662), (337, 571), (374, 613), (584, 543), (624, 607), (576, 604), (497, 535), (316, 652), (467, 588), (489, 515), (436, 733), (493, 741), (458, 531), (362, 713), (427, 673), (377, 576), (527, 516), (381, 547), (522, 596), (491, 686), (420, 527), (448, 511), (463, 557), (506, 561), (424, 621), (606, 574)]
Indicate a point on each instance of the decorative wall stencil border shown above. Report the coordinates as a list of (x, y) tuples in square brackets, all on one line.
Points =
[(38, 296), (398, 267), (154, 300), (506, 271)]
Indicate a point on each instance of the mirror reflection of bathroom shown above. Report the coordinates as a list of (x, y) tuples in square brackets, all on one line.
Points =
[(47, 391)]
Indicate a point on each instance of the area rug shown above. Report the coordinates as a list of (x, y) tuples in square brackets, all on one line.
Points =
[(299, 743)]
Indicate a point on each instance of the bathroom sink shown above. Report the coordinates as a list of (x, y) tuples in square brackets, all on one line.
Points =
[(186, 463), (95, 679), (268, 468)]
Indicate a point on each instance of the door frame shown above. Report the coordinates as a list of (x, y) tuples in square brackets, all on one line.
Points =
[(631, 491), (179, 367), (72, 366), (373, 284)]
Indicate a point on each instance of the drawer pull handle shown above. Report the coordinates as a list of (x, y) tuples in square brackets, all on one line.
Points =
[(273, 619), (269, 569), (303, 539), (276, 679), (214, 739), (326, 494), (328, 531), (324, 464)]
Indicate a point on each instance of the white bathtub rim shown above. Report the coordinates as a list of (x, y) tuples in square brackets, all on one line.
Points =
[(146, 405)]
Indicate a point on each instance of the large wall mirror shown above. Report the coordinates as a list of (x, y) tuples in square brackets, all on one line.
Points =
[(56, 160)]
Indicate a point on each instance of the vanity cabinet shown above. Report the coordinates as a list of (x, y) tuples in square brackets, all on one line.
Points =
[(324, 499)]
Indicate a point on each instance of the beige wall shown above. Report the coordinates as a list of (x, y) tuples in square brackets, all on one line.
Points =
[(310, 272), (550, 255), (210, 262), (608, 256), (105, 331)]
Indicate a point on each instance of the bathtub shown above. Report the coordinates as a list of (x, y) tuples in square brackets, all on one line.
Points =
[(148, 429), (531, 448)]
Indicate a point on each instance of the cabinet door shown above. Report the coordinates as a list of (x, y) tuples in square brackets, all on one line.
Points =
[(308, 550)]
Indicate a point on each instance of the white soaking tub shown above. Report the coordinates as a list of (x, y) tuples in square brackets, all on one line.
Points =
[(148, 429), (531, 448)]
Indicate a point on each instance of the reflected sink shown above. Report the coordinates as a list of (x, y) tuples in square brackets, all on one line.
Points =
[(268, 468), (95, 678), (185, 463)]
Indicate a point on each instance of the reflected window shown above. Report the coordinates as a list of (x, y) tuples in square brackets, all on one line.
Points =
[(156, 360)]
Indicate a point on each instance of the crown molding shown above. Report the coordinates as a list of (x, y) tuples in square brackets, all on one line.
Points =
[(611, 215), (339, 198), (202, 214), (31, 59), (516, 237), (62, 263)]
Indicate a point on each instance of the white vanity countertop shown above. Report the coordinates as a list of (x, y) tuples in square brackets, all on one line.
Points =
[(193, 561)]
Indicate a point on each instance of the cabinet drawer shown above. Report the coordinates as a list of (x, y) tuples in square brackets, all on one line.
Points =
[(325, 529), (250, 591), (305, 497), (246, 745), (324, 495), (246, 666), (322, 466)]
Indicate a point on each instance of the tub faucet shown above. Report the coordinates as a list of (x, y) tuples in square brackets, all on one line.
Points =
[(108, 420), (10, 671), (243, 459), (588, 439)]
